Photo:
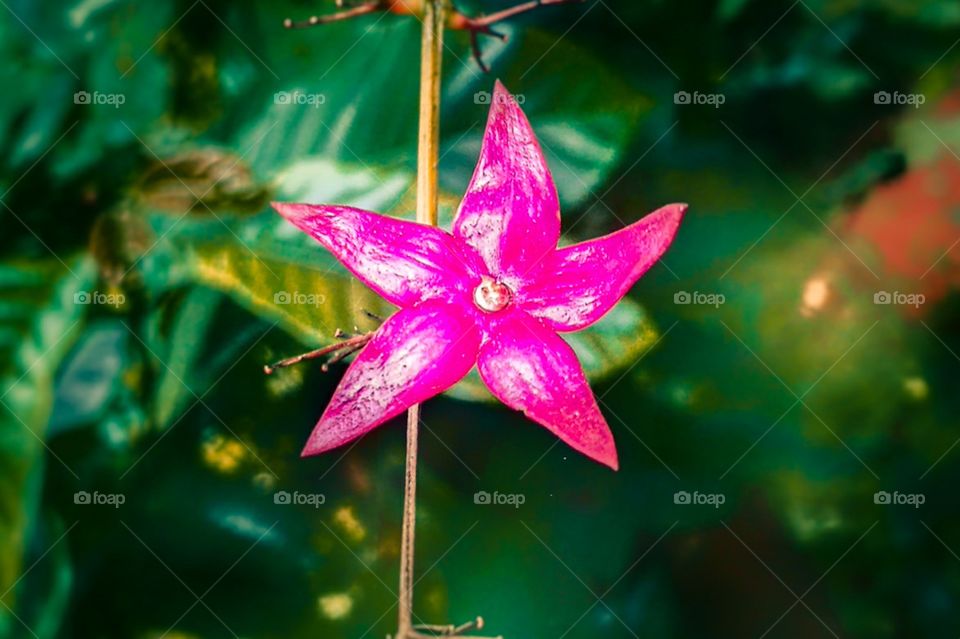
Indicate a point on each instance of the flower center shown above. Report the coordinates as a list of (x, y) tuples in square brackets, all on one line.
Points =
[(491, 296)]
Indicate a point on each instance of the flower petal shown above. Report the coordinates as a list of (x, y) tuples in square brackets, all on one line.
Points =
[(510, 214), (530, 368), (403, 261), (577, 285), (416, 354)]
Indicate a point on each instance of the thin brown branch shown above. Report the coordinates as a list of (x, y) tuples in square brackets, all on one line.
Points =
[(449, 631), (483, 24), (347, 347), (353, 12), (506, 14)]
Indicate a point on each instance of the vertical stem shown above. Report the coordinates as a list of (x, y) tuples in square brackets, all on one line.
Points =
[(405, 621), (428, 147), (428, 144)]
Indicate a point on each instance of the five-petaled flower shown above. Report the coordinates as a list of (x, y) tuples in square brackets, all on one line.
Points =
[(493, 293)]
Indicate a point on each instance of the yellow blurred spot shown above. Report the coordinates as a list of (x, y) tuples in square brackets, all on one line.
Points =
[(223, 454), (816, 293), (284, 380), (217, 268), (389, 546), (264, 481), (436, 599), (336, 605), (347, 520), (131, 376), (916, 388)]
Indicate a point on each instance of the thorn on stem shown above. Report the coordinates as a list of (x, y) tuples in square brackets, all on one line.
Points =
[(373, 315)]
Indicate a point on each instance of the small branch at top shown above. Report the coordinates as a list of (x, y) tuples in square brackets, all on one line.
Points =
[(400, 7), (456, 21), (353, 12), (506, 14), (483, 24)]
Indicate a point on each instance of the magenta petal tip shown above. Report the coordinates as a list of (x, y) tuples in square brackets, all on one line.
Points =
[(292, 211), (675, 210), (609, 458), (316, 445)]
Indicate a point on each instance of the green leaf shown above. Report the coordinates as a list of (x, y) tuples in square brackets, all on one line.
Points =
[(279, 273), (39, 321), (88, 379), (323, 181), (183, 350), (584, 130), (307, 300)]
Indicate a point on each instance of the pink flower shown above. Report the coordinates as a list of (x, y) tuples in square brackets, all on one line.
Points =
[(493, 293)]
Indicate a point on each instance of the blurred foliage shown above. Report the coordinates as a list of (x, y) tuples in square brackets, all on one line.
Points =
[(143, 283)]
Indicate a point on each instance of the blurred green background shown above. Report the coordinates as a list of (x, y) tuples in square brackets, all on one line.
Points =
[(782, 387)]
